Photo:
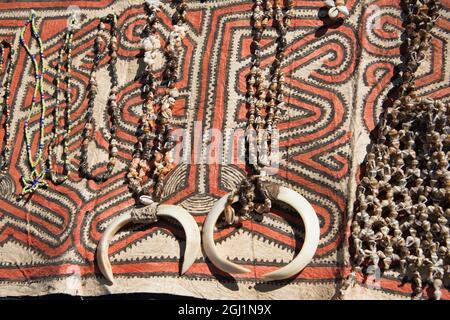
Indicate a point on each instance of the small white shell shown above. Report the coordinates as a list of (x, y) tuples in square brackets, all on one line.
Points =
[(330, 3), (174, 93), (148, 54), (147, 45), (333, 13), (146, 200), (151, 55), (156, 42), (181, 30), (154, 3), (151, 43), (344, 10), (149, 61)]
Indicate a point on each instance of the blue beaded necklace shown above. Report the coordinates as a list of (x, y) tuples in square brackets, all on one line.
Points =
[(36, 178)]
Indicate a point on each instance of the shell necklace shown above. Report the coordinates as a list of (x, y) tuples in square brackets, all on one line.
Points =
[(151, 159), (255, 193), (66, 49), (401, 219), (89, 129)]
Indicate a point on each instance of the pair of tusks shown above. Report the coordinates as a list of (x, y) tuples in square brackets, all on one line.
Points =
[(288, 196), (188, 223), (312, 235)]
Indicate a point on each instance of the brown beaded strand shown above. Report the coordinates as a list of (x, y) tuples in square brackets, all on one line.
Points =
[(66, 49), (89, 129), (6, 107)]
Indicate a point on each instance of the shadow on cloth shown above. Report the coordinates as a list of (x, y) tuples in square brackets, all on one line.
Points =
[(327, 22)]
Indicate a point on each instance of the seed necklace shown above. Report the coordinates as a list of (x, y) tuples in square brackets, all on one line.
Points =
[(88, 133), (36, 178), (66, 49), (6, 110)]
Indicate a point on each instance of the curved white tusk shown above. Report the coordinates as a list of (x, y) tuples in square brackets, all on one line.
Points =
[(208, 239), (312, 235), (181, 215), (103, 247), (191, 230)]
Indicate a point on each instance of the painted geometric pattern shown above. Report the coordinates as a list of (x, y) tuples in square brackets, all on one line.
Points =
[(337, 77)]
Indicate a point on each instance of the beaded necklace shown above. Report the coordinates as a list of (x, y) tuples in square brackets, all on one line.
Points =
[(36, 178), (113, 110), (66, 49), (6, 109)]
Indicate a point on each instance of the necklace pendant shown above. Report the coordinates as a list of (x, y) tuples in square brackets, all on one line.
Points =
[(150, 213), (146, 214), (34, 181), (279, 193)]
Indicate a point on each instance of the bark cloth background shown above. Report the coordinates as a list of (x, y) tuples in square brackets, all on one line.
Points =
[(337, 78)]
